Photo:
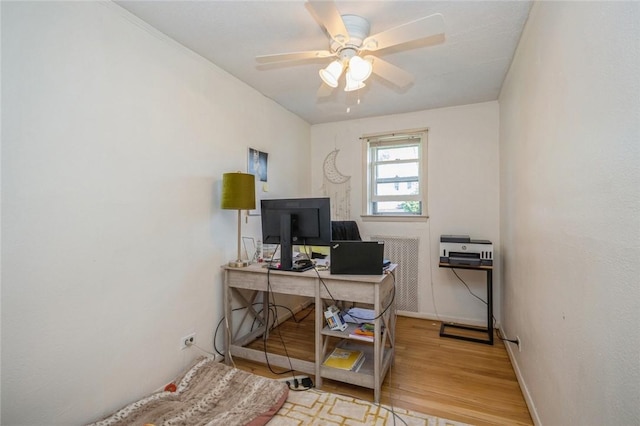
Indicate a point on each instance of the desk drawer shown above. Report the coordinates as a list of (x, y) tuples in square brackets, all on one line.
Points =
[(297, 284)]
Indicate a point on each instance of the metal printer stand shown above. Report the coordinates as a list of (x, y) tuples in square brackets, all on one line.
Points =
[(488, 330)]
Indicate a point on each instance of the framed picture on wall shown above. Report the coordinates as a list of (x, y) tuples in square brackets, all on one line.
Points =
[(257, 165)]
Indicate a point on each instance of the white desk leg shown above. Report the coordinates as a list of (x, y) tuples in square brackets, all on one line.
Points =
[(228, 338), (318, 336), (377, 345)]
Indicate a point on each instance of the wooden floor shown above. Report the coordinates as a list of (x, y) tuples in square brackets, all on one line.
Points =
[(450, 378)]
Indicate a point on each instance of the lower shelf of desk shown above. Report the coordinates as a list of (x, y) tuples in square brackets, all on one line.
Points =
[(479, 330), (365, 376), (282, 361)]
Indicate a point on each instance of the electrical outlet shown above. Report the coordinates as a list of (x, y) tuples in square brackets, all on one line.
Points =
[(187, 341), (519, 343)]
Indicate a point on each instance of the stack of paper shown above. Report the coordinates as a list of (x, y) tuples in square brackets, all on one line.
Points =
[(364, 331), (345, 359)]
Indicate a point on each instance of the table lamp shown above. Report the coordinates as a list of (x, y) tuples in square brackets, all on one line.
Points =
[(238, 193)]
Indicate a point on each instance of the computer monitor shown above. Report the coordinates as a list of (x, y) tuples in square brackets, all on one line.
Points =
[(295, 221)]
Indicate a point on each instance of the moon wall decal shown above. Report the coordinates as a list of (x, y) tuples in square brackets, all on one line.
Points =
[(331, 171)]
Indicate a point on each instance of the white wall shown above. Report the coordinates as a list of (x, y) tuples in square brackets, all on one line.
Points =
[(570, 211), (462, 191), (114, 141)]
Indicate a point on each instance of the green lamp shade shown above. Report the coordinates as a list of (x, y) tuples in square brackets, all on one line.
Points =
[(238, 191)]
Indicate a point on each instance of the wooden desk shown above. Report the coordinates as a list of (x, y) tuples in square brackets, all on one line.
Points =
[(377, 291), (488, 331)]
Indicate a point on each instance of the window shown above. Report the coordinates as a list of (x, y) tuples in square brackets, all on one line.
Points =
[(396, 178)]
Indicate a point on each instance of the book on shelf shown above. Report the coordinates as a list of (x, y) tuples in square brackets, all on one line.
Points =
[(345, 359), (364, 331), (359, 363)]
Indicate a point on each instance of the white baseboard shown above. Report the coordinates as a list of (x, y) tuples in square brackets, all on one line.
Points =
[(523, 385)]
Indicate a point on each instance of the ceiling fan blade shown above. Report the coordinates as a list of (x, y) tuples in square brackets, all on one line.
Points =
[(330, 18), (293, 56), (428, 26), (390, 72)]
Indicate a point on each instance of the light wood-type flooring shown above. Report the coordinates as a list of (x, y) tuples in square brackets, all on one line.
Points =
[(450, 378)]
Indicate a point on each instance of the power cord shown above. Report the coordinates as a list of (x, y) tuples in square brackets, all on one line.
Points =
[(190, 344), (264, 336), (386, 308), (498, 332), (504, 339), (300, 385), (468, 289)]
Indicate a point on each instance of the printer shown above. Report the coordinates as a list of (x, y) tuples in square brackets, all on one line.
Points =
[(460, 250)]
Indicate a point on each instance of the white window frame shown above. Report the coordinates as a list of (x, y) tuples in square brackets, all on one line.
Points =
[(370, 142)]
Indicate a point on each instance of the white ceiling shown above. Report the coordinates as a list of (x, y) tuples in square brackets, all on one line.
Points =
[(468, 67)]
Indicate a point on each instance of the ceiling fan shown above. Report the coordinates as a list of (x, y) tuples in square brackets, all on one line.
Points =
[(350, 41)]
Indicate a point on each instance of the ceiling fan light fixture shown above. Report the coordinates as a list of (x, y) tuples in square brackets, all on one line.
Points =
[(352, 84), (331, 73), (360, 69)]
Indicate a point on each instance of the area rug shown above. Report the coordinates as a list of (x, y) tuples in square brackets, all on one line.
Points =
[(314, 407), (208, 393)]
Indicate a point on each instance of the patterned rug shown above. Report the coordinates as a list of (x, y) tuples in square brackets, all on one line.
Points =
[(318, 408)]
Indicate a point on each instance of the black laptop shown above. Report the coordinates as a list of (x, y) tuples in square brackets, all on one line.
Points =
[(357, 257)]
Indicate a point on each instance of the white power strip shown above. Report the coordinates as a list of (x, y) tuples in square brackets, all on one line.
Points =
[(303, 382)]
